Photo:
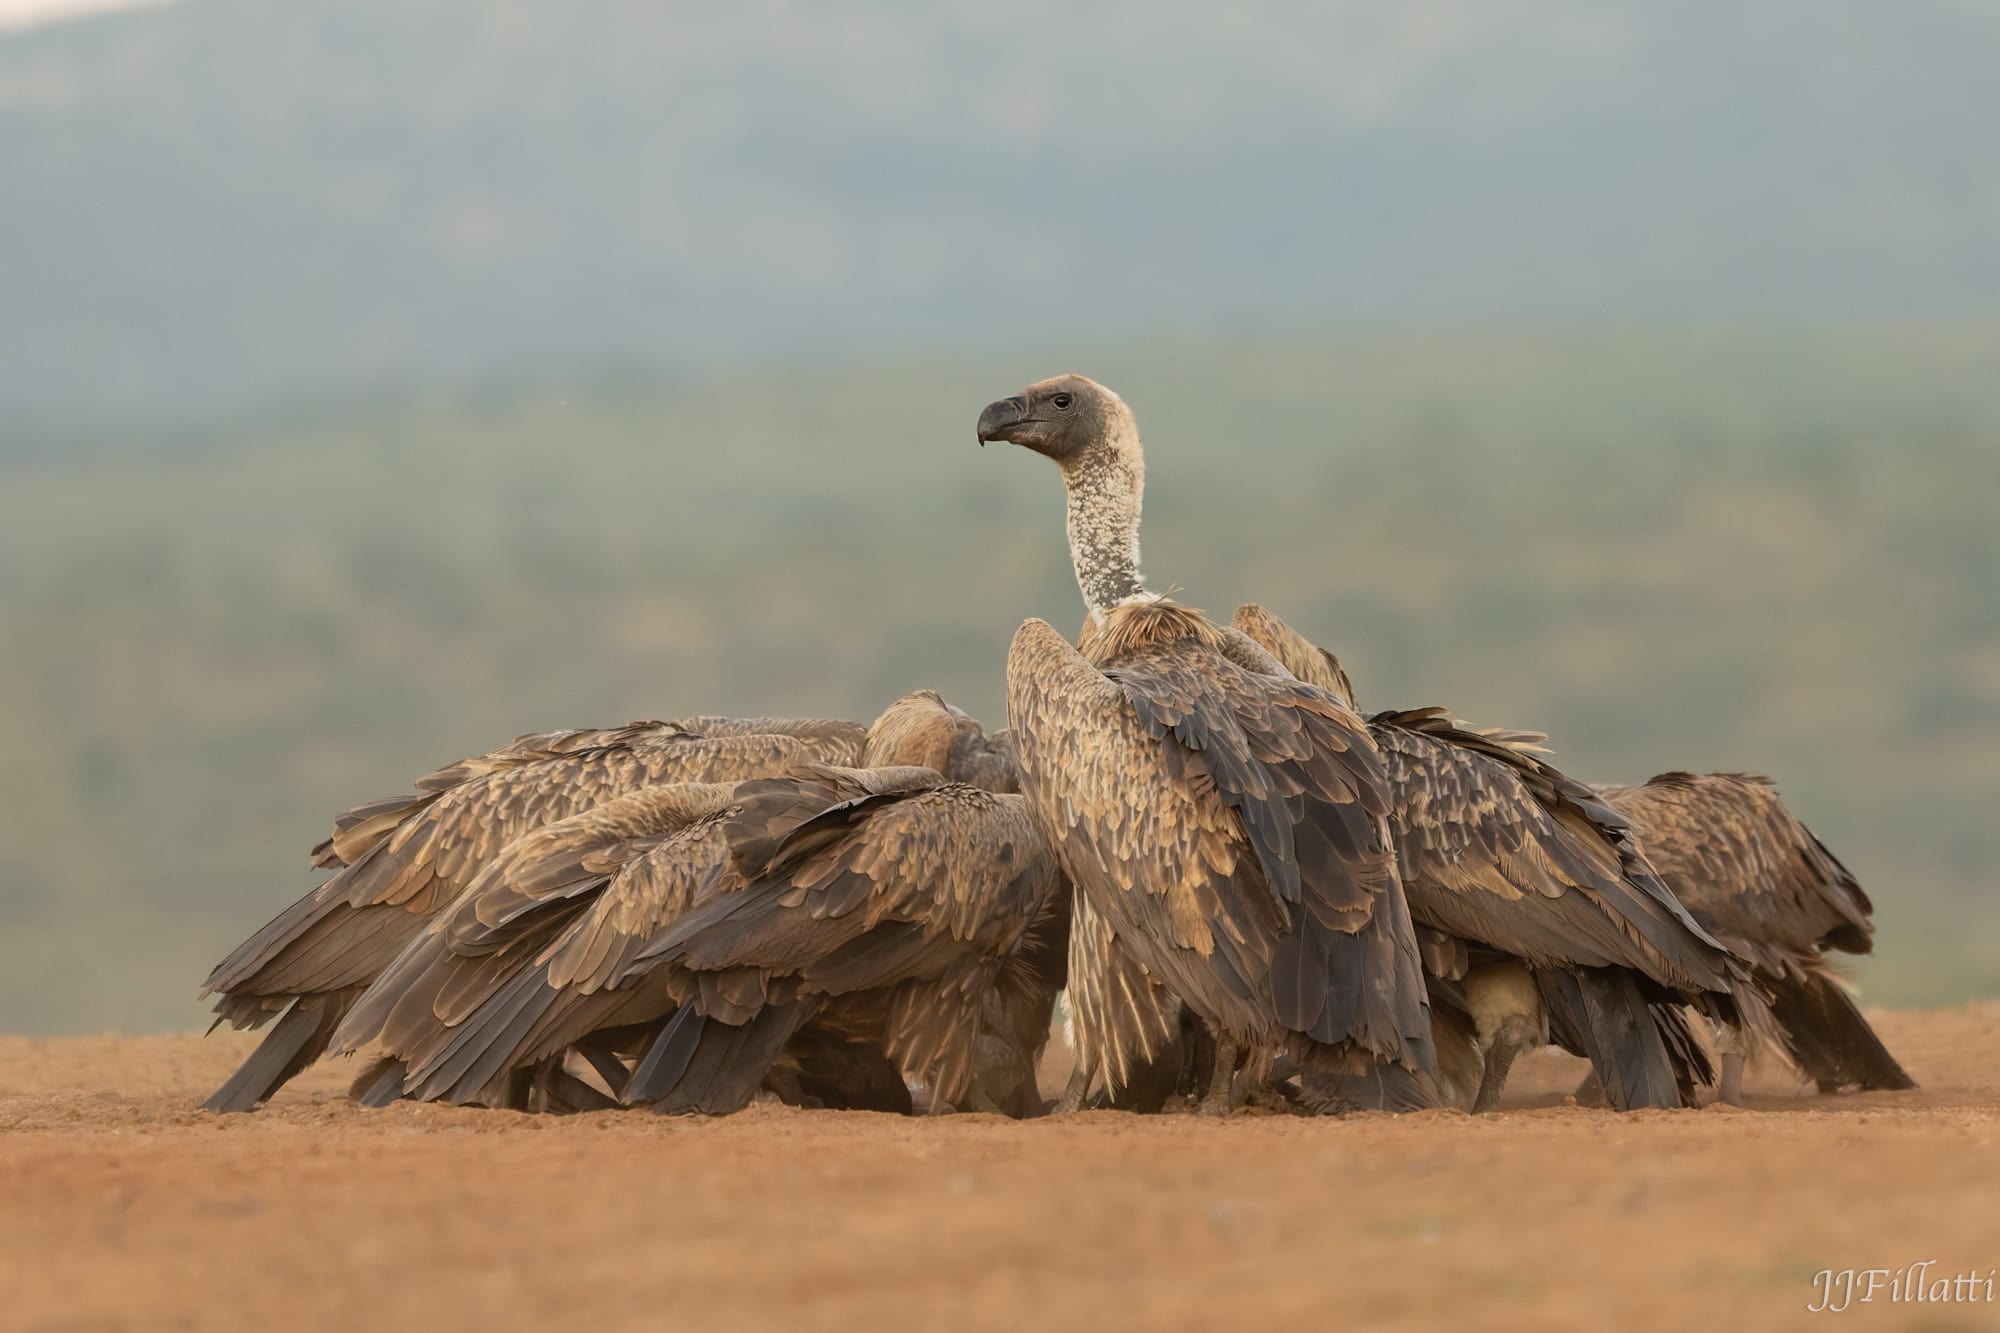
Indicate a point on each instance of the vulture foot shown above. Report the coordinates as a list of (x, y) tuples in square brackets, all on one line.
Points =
[(1075, 1093), (1731, 1088)]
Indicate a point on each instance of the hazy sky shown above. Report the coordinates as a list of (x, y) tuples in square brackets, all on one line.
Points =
[(14, 13)]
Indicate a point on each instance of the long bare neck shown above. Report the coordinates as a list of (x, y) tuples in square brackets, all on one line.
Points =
[(1106, 487)]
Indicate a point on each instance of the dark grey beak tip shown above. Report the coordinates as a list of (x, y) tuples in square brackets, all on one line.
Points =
[(1001, 417)]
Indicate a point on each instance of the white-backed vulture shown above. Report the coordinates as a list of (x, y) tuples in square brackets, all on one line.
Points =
[(1227, 824), (566, 941), (399, 862), (1504, 852), (1756, 877)]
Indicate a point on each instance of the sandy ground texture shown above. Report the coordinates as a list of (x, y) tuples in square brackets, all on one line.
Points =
[(123, 1207)]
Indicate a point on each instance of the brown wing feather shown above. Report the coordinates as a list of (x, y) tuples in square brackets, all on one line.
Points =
[(1500, 848), (931, 886), (432, 858), (1294, 651), (572, 979), (828, 740), (521, 901), (1121, 1018), (1747, 867), (1227, 824)]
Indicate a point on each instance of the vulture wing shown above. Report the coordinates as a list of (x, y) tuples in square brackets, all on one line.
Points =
[(325, 948), (493, 1014), (1228, 825), (1744, 864), (1751, 872), (1294, 651), (1121, 1018), (524, 909), (354, 833), (931, 889), (1500, 849)]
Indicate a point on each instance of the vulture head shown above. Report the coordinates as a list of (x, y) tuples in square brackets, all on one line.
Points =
[(1091, 435), (1068, 418), (918, 729)]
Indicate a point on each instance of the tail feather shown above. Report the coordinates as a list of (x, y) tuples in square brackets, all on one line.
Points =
[(1685, 1050), (300, 1038), (707, 1066), (1827, 1037), (1339, 1078), (1390, 1088), (1600, 1013), (661, 1067), (381, 1084)]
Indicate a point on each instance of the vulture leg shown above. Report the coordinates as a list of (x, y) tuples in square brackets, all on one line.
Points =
[(1507, 1017), (1075, 1093), (1512, 1038), (1731, 1090), (1590, 1092), (1261, 1088), (1191, 1053), (1222, 1080), (1732, 1043)]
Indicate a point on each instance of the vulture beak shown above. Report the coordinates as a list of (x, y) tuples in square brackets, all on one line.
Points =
[(1001, 418)]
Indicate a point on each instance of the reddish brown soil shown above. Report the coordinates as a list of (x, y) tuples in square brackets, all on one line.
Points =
[(121, 1206)]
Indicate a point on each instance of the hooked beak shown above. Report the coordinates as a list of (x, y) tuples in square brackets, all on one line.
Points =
[(1000, 419)]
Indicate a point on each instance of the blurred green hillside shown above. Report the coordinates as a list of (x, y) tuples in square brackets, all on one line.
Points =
[(1765, 549)]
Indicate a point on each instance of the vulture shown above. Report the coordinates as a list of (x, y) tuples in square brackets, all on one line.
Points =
[(1535, 899), (1225, 824), (399, 862), (833, 934), (1756, 877)]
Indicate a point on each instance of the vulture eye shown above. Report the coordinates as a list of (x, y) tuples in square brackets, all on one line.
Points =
[(1061, 400)]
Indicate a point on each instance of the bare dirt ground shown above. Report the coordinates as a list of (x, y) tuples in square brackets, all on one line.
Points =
[(121, 1206)]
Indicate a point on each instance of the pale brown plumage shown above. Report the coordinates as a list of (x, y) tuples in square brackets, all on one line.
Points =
[(929, 896), (830, 740), (1229, 828), (1755, 876), (544, 951), (549, 913), (312, 961), (1499, 849), (1122, 1019), (1224, 821)]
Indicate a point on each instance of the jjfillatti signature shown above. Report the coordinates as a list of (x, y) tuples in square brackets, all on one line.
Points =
[(1913, 1284)]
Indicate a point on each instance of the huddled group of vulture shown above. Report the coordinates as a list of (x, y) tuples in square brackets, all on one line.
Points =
[(1243, 889)]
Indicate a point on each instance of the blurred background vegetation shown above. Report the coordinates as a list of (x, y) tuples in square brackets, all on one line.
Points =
[(379, 381)]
